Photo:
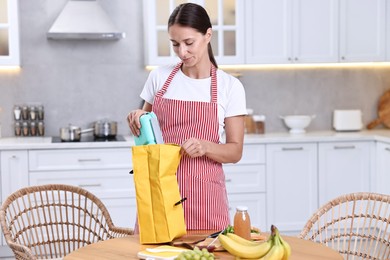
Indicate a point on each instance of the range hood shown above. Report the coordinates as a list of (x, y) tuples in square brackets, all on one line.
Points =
[(84, 19)]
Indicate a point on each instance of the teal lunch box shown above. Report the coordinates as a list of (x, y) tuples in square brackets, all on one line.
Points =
[(150, 130)]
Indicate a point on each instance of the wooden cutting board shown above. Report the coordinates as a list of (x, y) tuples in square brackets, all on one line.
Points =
[(383, 112)]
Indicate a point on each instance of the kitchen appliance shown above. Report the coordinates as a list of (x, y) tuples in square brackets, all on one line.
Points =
[(347, 120), (90, 138), (383, 112), (84, 19)]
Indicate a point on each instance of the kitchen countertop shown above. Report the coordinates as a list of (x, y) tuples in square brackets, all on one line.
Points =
[(320, 136), (20, 143)]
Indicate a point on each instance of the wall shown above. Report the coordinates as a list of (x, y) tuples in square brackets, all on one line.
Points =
[(315, 91), (80, 82)]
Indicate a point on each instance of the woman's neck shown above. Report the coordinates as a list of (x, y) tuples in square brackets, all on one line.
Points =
[(199, 71)]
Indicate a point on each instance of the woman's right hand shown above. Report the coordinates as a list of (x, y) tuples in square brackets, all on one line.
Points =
[(133, 121)]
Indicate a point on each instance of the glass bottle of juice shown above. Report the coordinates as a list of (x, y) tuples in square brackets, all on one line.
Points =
[(242, 223)]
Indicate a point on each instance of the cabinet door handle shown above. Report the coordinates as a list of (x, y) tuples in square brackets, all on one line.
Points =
[(90, 185), (387, 149), (344, 147), (228, 180), (90, 160), (292, 148)]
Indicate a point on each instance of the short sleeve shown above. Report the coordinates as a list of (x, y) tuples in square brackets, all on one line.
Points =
[(155, 82), (150, 87), (236, 99)]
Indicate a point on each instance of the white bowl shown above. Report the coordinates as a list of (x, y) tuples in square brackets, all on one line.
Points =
[(297, 123)]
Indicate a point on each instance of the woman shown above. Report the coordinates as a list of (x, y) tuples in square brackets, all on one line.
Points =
[(196, 104)]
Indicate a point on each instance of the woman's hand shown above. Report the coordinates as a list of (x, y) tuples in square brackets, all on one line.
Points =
[(133, 121), (229, 152), (133, 118), (194, 147)]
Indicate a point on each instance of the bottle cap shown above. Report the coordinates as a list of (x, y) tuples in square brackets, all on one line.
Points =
[(242, 208)]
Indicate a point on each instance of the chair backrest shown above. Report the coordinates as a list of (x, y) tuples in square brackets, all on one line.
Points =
[(357, 225), (49, 221)]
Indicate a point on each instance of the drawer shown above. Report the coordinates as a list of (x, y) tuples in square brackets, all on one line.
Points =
[(75, 159), (253, 153), (102, 183), (245, 178)]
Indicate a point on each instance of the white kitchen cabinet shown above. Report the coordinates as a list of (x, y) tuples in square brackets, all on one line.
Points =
[(382, 168), (246, 184), (387, 32), (104, 172), (291, 31), (14, 171), (292, 179), (1, 203), (344, 167), (9, 33), (362, 30), (14, 175), (256, 208), (228, 30)]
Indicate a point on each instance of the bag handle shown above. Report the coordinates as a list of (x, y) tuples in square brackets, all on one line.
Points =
[(180, 201)]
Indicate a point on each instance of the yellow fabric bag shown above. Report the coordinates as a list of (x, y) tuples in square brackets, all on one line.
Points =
[(159, 209)]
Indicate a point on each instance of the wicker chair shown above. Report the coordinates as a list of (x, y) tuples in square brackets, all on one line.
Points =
[(357, 225), (49, 221)]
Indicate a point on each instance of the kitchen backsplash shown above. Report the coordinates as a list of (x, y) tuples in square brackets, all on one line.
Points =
[(315, 91), (80, 82)]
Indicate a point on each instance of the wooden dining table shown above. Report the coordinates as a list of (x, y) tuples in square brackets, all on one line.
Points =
[(126, 248)]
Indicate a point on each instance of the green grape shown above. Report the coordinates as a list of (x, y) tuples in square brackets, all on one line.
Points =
[(205, 252), (196, 254)]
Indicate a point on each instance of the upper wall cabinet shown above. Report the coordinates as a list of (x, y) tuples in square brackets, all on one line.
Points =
[(228, 30), (281, 31), (387, 31), (291, 31), (362, 30), (9, 33)]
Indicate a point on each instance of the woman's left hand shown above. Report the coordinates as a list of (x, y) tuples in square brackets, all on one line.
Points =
[(194, 147)]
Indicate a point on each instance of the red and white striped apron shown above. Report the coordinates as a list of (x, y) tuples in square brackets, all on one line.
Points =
[(201, 180)]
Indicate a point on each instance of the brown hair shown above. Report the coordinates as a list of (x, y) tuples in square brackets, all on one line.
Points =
[(196, 17)]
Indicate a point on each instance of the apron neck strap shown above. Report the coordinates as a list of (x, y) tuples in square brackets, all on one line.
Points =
[(213, 72)]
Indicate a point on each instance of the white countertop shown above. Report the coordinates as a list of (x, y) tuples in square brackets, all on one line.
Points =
[(320, 136), (18, 143)]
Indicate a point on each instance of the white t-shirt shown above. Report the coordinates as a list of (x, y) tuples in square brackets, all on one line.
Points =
[(231, 93)]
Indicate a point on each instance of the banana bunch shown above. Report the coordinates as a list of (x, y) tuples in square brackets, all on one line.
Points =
[(275, 248)]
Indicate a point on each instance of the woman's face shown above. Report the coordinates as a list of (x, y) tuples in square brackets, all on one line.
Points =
[(189, 44)]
